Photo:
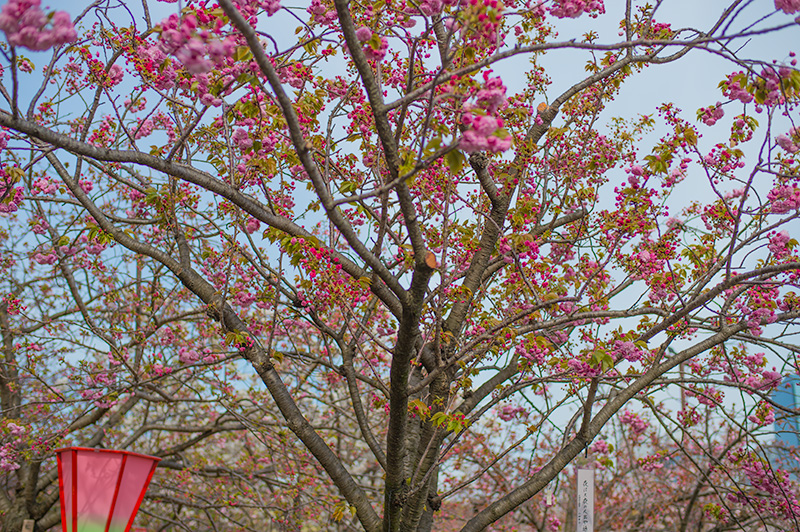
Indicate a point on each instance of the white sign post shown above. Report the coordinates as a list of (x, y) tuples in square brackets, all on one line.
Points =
[(585, 500)]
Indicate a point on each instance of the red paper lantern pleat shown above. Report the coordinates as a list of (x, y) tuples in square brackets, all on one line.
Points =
[(101, 489)]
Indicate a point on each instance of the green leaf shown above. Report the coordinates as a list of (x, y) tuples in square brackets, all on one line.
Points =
[(348, 187), (374, 42), (242, 53), (417, 406), (15, 173), (455, 161), (439, 419), (432, 146)]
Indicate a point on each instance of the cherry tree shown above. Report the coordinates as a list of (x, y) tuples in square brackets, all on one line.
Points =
[(362, 263)]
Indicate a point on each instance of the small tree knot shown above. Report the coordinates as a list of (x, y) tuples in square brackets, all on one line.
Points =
[(478, 161), (434, 502)]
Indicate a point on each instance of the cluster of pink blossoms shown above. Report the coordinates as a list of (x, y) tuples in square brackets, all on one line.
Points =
[(732, 88), (8, 458), (637, 424), (788, 6), (481, 28), (759, 379), (771, 81), (364, 36), (98, 387), (25, 24), (627, 350), (708, 396), (576, 8), (434, 7), (43, 185), (757, 309), (198, 52), (600, 446), (509, 412), (12, 195), (711, 114), (774, 492), (252, 226), (634, 173), (787, 142), (270, 6), (779, 244), (784, 198), (532, 351), (579, 368), (484, 125), (652, 462), (321, 14), (764, 415)]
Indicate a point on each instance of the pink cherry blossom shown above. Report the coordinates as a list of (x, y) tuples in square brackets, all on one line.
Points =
[(321, 13), (26, 25), (492, 96), (271, 6), (784, 198), (778, 244), (193, 56), (636, 423), (363, 33), (43, 185), (379, 53), (431, 7), (576, 8), (252, 226), (627, 350), (710, 115), (242, 138), (788, 6), (787, 141), (48, 259)]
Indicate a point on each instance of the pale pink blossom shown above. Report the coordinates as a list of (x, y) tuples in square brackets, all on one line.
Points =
[(242, 138), (188, 356), (778, 244), (271, 6), (193, 56), (379, 53), (26, 25), (431, 7), (710, 115), (321, 13), (252, 226), (363, 33), (576, 8), (788, 6), (786, 142), (637, 424), (784, 198), (48, 259)]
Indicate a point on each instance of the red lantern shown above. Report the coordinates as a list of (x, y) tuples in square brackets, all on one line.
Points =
[(101, 489)]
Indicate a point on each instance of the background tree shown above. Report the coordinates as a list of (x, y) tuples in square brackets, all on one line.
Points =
[(445, 280)]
